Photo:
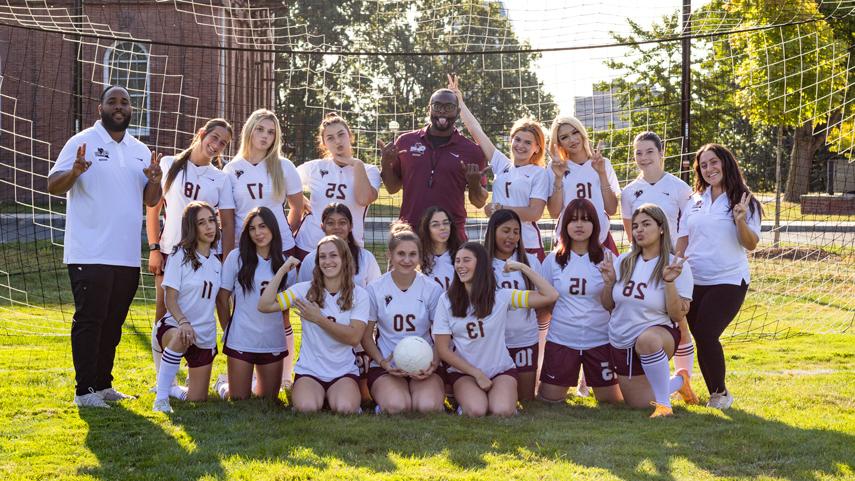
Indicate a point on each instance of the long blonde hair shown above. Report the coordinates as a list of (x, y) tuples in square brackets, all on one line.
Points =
[(274, 166), (576, 124), (316, 290), (627, 265)]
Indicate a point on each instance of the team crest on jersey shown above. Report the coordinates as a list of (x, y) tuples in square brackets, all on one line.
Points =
[(698, 204), (388, 299), (507, 169), (238, 173), (324, 172), (101, 154), (638, 193), (567, 172), (417, 149)]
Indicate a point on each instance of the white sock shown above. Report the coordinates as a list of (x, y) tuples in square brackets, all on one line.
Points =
[(288, 362), (178, 392), (684, 357), (658, 371), (223, 391), (169, 364)]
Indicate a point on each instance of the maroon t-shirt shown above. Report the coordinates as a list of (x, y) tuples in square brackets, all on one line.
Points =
[(417, 157)]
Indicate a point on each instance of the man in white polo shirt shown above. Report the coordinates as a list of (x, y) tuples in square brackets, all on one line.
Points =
[(106, 174)]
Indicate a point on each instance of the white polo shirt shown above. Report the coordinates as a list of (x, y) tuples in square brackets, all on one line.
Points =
[(481, 342), (521, 328), (714, 250), (583, 182), (640, 303), (207, 184), (369, 270), (669, 193), (252, 187), (579, 320), (321, 355), (401, 314), (443, 270), (515, 187), (328, 182), (103, 222), (197, 294), (251, 330)]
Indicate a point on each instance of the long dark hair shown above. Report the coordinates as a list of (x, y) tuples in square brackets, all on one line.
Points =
[(734, 182), (248, 250), (579, 208), (427, 242), (483, 287), (180, 163), (497, 219), (338, 208), (189, 236)]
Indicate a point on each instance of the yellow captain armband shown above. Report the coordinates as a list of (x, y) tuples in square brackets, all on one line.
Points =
[(285, 299), (520, 298)]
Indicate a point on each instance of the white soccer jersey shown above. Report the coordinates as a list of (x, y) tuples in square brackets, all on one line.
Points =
[(717, 256), (253, 187), (207, 184), (481, 342), (640, 303), (516, 187), (328, 182), (521, 328), (579, 320), (251, 330), (104, 215), (583, 182), (669, 193), (321, 355), (369, 270), (197, 294), (401, 314), (443, 270)]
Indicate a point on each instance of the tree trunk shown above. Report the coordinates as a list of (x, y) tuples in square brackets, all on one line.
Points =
[(804, 148)]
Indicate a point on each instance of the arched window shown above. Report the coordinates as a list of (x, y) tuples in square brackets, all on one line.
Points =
[(126, 64)]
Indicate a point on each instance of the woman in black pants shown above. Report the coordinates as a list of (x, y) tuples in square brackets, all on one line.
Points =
[(720, 223)]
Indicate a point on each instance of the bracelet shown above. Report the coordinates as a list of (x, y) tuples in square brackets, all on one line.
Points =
[(180, 323), (558, 187)]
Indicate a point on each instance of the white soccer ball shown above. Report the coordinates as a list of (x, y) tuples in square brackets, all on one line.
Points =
[(413, 354)]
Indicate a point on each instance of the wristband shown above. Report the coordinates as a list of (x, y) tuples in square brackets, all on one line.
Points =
[(154, 246), (183, 321)]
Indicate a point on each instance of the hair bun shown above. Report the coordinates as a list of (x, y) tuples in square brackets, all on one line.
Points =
[(399, 227)]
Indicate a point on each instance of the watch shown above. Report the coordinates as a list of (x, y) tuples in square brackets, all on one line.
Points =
[(154, 247)]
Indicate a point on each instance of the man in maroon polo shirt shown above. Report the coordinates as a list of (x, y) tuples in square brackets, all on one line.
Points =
[(435, 165)]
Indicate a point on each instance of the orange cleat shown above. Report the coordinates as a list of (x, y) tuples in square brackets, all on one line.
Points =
[(660, 410), (685, 390)]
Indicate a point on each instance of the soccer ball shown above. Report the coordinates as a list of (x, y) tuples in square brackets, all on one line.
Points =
[(413, 354)]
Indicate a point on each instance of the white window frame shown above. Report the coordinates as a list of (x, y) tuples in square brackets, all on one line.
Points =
[(145, 114)]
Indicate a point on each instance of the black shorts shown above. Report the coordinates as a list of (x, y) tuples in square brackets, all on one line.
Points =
[(194, 356), (257, 358), (452, 377), (326, 384), (631, 366), (525, 358), (561, 365)]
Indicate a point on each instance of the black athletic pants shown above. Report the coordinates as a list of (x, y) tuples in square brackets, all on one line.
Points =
[(712, 310), (102, 297)]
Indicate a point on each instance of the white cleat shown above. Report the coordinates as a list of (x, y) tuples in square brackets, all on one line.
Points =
[(720, 400), (111, 394), (91, 400), (162, 405)]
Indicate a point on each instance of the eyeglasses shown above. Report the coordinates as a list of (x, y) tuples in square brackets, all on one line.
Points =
[(441, 107)]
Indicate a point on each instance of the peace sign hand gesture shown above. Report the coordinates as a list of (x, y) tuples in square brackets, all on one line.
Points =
[(598, 162), (673, 270), (153, 172), (740, 210), (607, 269), (81, 165), (472, 173), (558, 166), (388, 153), (454, 86)]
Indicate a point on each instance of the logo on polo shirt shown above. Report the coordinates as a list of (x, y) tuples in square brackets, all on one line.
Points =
[(417, 149), (324, 172), (140, 159), (388, 299), (238, 173), (102, 154), (457, 156)]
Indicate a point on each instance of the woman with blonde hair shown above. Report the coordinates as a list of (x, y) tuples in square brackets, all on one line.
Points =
[(576, 171)]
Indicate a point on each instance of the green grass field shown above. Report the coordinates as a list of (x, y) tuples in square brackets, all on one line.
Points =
[(794, 417)]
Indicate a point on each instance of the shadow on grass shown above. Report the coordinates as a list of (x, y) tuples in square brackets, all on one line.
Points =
[(617, 440)]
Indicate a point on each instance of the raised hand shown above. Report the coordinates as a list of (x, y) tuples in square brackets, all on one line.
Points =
[(511, 266), (454, 86), (472, 173), (673, 270), (558, 166), (598, 162), (153, 172), (740, 210), (388, 153), (81, 165), (290, 264), (607, 269)]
